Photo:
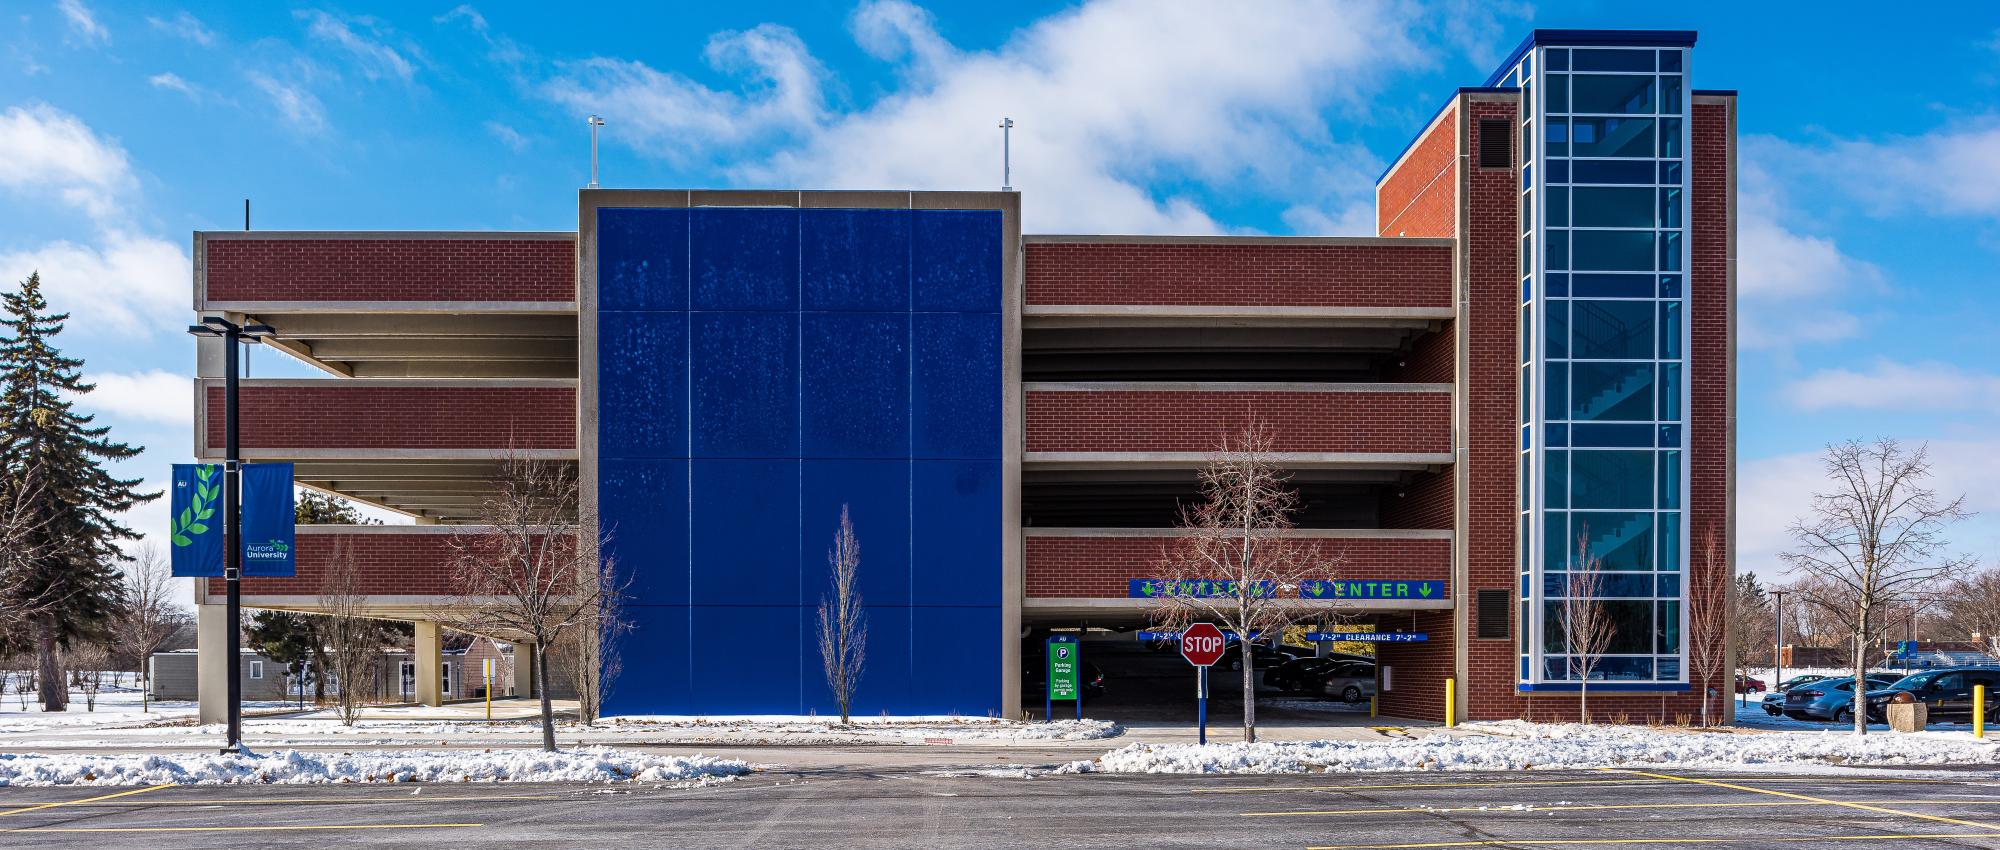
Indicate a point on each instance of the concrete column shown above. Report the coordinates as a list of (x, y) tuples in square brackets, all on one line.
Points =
[(429, 658), (211, 682)]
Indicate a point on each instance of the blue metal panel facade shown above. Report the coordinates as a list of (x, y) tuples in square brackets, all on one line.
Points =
[(758, 369)]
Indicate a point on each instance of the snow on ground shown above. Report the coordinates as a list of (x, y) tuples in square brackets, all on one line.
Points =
[(1516, 745), (288, 767), (115, 708)]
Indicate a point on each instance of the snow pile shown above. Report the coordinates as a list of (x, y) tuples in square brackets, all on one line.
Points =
[(786, 729), (1515, 745), (291, 767)]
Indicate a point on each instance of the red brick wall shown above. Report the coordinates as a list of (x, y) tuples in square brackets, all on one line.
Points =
[(1432, 359), (307, 269), (1419, 669), (1713, 131), (1143, 421), (1420, 197), (389, 565), (1425, 501), (344, 416), (1239, 275), (1103, 567), (1492, 409)]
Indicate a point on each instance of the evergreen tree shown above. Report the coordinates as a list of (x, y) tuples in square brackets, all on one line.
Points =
[(76, 500)]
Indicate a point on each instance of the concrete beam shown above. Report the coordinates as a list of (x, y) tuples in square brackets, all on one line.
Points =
[(212, 663), (429, 658)]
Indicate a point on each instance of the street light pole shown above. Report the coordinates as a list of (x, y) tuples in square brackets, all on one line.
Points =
[(1778, 650), (232, 546)]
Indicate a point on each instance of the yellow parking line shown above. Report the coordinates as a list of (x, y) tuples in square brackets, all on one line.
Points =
[(1512, 783), (1509, 784), (1550, 842), (1862, 806), (80, 802), (243, 828), (1599, 807), (404, 798)]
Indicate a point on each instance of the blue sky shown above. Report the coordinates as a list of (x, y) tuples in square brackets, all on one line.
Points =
[(1870, 193)]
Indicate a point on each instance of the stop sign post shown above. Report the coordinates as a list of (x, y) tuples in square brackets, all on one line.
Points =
[(1202, 645)]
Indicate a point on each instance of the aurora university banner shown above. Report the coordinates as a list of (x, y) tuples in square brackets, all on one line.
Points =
[(268, 514), (269, 520), (197, 520)]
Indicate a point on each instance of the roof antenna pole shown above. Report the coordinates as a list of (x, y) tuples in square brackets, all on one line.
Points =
[(595, 122), (1006, 155), (246, 214)]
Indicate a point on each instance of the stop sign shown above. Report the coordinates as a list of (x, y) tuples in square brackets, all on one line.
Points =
[(1201, 644)]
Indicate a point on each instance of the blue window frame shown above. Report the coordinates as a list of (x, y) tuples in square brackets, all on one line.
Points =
[(1612, 94), (1614, 206), (1612, 251)]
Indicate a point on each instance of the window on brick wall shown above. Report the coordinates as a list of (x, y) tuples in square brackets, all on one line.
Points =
[(1492, 610), (1496, 143)]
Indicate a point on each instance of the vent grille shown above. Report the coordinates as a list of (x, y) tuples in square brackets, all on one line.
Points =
[(1496, 143), (1493, 605)]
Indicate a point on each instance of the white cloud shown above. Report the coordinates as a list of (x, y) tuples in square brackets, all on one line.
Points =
[(185, 26), (1791, 283), (1109, 99), (374, 58), (1950, 171), (154, 395), (298, 107), (47, 150), (121, 286), (173, 82), (1889, 385), (508, 136), (82, 22), (1775, 491)]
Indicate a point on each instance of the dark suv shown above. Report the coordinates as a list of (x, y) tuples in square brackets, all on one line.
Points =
[(1948, 693)]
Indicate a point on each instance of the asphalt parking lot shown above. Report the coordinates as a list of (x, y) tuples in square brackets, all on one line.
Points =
[(958, 809)]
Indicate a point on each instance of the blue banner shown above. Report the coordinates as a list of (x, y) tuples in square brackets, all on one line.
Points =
[(269, 520), (1229, 637), (1152, 588), (1371, 637), (1370, 589), (196, 525)]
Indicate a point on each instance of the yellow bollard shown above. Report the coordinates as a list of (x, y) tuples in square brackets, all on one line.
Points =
[(1978, 711), (1371, 704), (1451, 702)]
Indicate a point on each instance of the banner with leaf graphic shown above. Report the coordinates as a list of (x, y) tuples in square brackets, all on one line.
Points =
[(197, 520), (269, 520)]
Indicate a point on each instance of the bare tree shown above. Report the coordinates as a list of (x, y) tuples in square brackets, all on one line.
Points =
[(1233, 562), (1587, 626), (86, 661), (1876, 535), (843, 627), (591, 658), (537, 572), (148, 616), (1969, 607), (1710, 615), (353, 640), (22, 600)]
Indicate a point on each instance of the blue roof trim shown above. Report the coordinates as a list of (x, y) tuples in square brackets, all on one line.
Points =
[(1592, 38), (1714, 92), (1605, 687), (1461, 90)]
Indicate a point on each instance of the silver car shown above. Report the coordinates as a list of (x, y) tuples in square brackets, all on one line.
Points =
[(1828, 699), (1353, 681)]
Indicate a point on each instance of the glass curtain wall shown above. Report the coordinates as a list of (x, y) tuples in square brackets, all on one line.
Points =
[(1603, 466)]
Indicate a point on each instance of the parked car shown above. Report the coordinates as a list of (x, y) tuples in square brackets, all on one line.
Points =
[(1351, 681), (1747, 685), (1798, 680), (1035, 679), (1827, 699), (1300, 673), (1265, 657), (1774, 702), (1947, 692)]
